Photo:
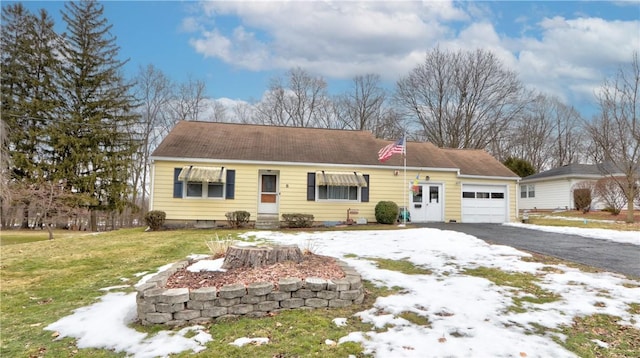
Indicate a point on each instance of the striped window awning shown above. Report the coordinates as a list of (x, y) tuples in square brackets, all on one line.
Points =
[(340, 179), (202, 174)]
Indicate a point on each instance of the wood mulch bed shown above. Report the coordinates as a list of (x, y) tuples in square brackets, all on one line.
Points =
[(312, 265)]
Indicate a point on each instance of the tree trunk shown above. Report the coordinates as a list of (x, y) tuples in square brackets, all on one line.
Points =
[(93, 221), (253, 256), (631, 190), (25, 216), (49, 230)]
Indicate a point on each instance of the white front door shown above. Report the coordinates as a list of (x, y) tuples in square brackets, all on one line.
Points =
[(426, 203), (268, 194)]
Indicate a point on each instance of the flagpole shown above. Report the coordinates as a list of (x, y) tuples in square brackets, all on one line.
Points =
[(405, 213)]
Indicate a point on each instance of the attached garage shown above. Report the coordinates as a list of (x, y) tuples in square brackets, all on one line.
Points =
[(484, 203)]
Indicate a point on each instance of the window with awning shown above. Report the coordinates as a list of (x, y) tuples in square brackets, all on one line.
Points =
[(202, 174), (345, 179)]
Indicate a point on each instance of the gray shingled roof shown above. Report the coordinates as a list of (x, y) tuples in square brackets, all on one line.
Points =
[(230, 141), (574, 170)]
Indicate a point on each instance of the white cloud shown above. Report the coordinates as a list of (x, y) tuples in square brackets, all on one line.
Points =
[(337, 39), (589, 41), (213, 44), (566, 57), (573, 56), (190, 24)]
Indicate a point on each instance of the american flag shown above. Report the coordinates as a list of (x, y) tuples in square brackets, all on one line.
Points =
[(391, 149)]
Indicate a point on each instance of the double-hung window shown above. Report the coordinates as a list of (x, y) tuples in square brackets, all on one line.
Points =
[(197, 189), (338, 186), (203, 182), (527, 191), (328, 192)]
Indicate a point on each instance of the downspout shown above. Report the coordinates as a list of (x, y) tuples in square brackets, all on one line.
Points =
[(153, 182), (517, 191)]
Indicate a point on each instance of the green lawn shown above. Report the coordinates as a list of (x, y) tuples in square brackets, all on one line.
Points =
[(590, 220), (12, 237), (43, 281)]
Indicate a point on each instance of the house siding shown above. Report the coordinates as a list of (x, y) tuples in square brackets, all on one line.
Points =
[(554, 195), (549, 195), (383, 185)]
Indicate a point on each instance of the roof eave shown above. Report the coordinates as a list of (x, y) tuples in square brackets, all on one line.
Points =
[(564, 176), (306, 164), (468, 176)]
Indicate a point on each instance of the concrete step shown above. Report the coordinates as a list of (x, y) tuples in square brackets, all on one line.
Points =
[(267, 221)]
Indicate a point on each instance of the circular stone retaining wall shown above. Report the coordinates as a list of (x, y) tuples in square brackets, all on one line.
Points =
[(157, 304)]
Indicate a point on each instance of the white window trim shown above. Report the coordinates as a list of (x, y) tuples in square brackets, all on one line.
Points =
[(526, 189), (357, 200), (205, 191)]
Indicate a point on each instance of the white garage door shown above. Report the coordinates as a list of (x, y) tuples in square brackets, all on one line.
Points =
[(484, 203)]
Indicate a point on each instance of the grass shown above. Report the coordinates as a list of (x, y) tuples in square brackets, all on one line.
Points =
[(405, 266), (521, 282), (415, 318), (43, 281), (550, 260), (590, 220), (622, 341), (13, 237), (583, 334)]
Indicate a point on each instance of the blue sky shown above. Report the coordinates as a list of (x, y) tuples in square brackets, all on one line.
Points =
[(562, 48)]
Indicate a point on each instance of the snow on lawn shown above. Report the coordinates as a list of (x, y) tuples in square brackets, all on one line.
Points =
[(628, 237), (468, 316)]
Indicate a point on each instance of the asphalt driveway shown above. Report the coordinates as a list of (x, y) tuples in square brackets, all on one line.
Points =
[(607, 255)]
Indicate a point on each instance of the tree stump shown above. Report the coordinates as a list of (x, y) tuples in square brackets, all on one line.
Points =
[(259, 256)]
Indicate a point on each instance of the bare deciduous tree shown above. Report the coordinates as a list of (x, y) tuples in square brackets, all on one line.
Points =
[(302, 102), (548, 134), (5, 193), (154, 90), (532, 133), (392, 126), (244, 112), (362, 107), (218, 111), (461, 99), (568, 136), (610, 193), (189, 100), (616, 131)]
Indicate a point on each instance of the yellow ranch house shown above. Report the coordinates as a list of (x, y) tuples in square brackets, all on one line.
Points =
[(202, 170)]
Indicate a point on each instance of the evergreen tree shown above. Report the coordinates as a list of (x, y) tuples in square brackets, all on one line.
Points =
[(96, 140), (30, 96), (519, 166)]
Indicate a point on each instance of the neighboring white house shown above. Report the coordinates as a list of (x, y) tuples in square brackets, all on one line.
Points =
[(553, 189)]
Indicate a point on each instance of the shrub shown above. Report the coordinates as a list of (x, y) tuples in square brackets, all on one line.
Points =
[(386, 212), (155, 219), (238, 218), (297, 220), (582, 195), (582, 199), (610, 193), (613, 211)]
